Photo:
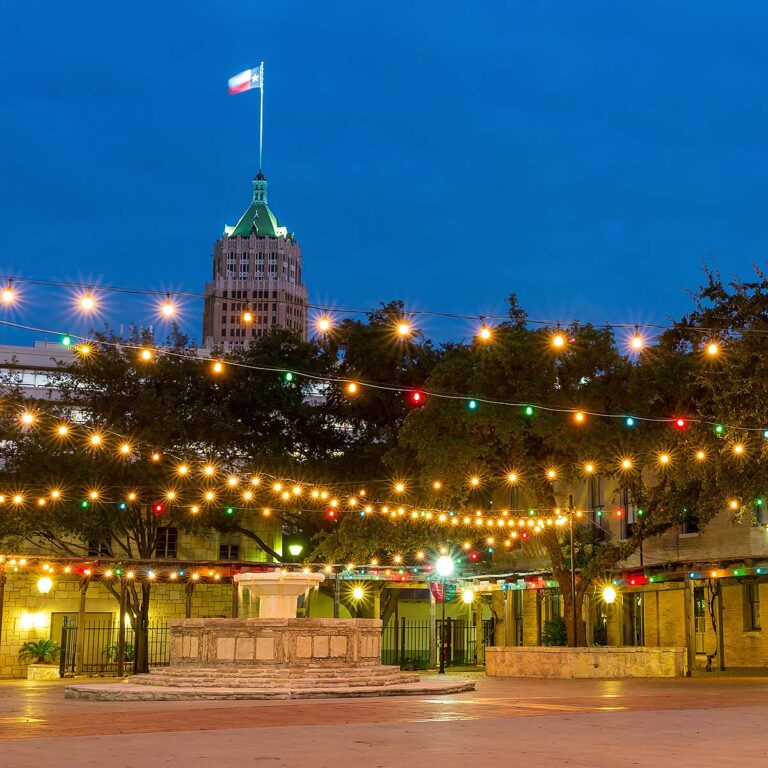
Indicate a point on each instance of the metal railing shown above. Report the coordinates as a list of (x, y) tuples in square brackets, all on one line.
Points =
[(100, 647), (411, 642)]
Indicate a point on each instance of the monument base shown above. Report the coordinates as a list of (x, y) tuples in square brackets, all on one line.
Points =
[(270, 659)]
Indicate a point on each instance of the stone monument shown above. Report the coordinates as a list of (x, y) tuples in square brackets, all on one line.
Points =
[(274, 656)]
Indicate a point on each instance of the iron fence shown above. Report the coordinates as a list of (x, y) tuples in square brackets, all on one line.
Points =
[(100, 647), (410, 642)]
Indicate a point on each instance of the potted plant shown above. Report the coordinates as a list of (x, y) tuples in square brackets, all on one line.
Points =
[(40, 655)]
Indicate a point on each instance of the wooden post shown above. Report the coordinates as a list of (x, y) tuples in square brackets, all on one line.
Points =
[(432, 631), (377, 603), (189, 589), (80, 640), (690, 637), (235, 600), (720, 627), (2, 594), (121, 630)]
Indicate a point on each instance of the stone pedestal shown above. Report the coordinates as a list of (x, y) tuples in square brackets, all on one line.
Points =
[(275, 642), (278, 592)]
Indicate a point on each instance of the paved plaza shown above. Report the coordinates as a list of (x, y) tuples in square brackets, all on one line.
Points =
[(697, 723)]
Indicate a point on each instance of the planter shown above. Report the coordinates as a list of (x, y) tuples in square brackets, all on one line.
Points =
[(602, 662), (43, 672)]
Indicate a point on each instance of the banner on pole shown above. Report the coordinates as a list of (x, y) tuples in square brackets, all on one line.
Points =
[(436, 588)]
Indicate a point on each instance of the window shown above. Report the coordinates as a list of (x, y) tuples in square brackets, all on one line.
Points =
[(166, 542), (97, 548), (699, 618), (751, 597), (229, 548), (596, 502), (690, 524), (628, 514), (634, 630)]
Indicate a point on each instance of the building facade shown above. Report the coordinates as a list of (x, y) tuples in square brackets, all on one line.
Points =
[(257, 279)]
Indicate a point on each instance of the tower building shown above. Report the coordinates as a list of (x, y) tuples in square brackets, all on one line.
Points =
[(257, 281)]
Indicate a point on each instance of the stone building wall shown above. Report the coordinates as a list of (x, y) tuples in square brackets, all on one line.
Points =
[(29, 615)]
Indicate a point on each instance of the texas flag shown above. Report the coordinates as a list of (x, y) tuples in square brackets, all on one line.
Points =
[(251, 78)]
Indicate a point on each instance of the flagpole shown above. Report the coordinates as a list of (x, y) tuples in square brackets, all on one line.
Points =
[(261, 112)]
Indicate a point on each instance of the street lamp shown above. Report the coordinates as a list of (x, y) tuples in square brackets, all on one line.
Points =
[(444, 568), (609, 595)]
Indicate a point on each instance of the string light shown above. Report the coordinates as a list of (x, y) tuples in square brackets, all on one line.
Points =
[(168, 308), (713, 349), (323, 324), (247, 316), (403, 328), (217, 367), (27, 418), (558, 341), (485, 333), (146, 355), (9, 295), (87, 302), (579, 417), (352, 388)]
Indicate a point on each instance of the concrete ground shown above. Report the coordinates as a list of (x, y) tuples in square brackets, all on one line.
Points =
[(700, 723)]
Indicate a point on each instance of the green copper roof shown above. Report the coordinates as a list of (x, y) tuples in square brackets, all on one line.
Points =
[(258, 219)]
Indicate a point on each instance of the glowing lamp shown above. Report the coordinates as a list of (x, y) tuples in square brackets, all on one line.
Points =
[(168, 308), (295, 549), (609, 595), (558, 341), (468, 596), (217, 367), (27, 418), (444, 566), (636, 342), (358, 593), (680, 423), (472, 405), (146, 355), (403, 329), (579, 417), (87, 302), (529, 410), (352, 388), (416, 397), (44, 585), (247, 317), (713, 349), (629, 422), (324, 324), (485, 333), (288, 376), (9, 295), (589, 468)]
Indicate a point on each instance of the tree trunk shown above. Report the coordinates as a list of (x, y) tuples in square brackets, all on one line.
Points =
[(141, 632)]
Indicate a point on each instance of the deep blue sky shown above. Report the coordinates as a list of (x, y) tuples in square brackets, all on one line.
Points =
[(590, 156)]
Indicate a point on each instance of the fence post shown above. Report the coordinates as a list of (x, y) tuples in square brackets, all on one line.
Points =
[(690, 635), (121, 630), (402, 640), (80, 637), (479, 636), (397, 634), (449, 642)]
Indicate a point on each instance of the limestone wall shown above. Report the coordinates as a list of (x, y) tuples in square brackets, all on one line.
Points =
[(29, 615), (584, 662)]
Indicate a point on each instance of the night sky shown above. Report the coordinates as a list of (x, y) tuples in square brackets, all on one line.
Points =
[(590, 156)]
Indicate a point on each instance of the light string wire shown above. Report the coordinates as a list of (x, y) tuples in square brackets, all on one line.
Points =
[(377, 385), (360, 310)]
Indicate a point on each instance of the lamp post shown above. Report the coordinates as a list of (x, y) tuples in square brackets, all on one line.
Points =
[(573, 575), (444, 568)]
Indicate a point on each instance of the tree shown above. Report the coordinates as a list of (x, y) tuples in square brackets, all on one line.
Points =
[(448, 441)]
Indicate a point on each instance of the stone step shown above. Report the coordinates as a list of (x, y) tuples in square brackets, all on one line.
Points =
[(130, 692), (276, 672), (294, 684)]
